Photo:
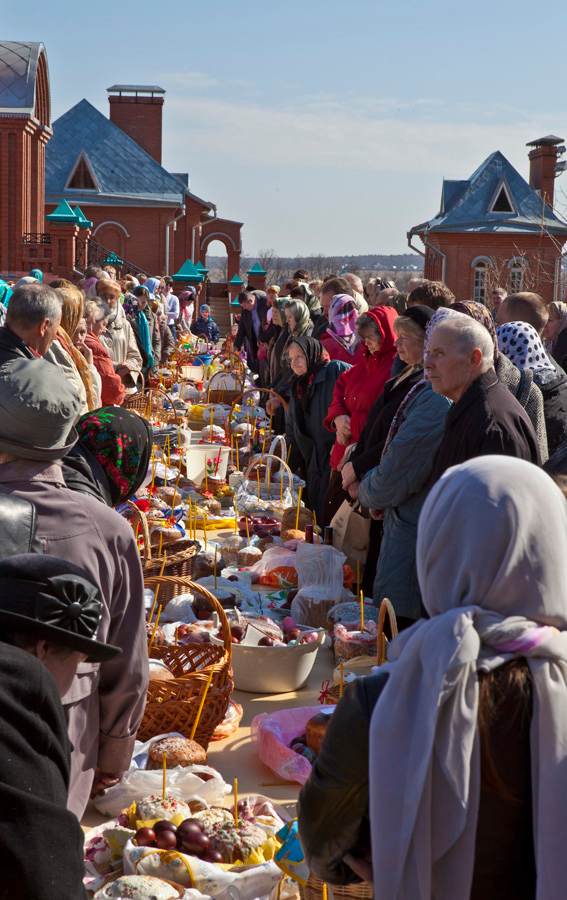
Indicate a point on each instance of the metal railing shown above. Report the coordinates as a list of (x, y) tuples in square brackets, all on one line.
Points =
[(37, 237), (89, 253)]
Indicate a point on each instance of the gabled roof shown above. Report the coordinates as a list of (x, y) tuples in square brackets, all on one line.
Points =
[(18, 68), (466, 205), (122, 170)]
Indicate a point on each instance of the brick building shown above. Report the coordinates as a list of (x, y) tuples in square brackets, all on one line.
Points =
[(108, 171), (495, 229)]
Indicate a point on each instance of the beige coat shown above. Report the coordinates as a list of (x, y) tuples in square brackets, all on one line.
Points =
[(105, 704), (122, 348)]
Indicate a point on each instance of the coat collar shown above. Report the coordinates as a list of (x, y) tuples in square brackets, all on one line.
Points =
[(472, 393)]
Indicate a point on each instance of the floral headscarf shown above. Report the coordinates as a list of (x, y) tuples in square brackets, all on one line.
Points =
[(343, 313), (121, 442), (521, 343), (317, 357)]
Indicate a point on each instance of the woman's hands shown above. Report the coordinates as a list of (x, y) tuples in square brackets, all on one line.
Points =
[(342, 424), (86, 351), (349, 475), (272, 405)]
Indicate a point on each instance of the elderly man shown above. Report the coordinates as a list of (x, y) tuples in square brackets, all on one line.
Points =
[(485, 418), (32, 320), (105, 703)]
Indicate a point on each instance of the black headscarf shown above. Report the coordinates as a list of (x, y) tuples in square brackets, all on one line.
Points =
[(120, 442), (317, 358)]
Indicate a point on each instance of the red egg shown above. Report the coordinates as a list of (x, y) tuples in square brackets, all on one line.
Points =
[(213, 856), (164, 825), (204, 614), (238, 631), (166, 840), (292, 635), (266, 642), (190, 826), (145, 837), (195, 843)]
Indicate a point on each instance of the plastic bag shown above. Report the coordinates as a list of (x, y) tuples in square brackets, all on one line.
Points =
[(182, 782), (320, 578), (272, 733), (276, 568)]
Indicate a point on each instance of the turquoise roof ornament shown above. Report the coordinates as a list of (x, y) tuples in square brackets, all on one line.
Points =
[(188, 274), (82, 220), (63, 215), (256, 270), (236, 279), (113, 260), (200, 268)]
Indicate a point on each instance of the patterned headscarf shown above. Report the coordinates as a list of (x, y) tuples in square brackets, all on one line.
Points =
[(317, 357), (121, 442), (479, 313), (303, 323), (521, 343), (343, 313)]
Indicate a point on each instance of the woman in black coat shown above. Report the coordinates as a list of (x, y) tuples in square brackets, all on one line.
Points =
[(314, 377)]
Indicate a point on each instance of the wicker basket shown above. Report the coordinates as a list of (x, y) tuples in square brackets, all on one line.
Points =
[(179, 559), (313, 890), (172, 705), (365, 663), (258, 461), (139, 403), (240, 397)]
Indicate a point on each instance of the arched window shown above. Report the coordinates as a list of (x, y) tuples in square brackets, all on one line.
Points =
[(517, 267), (480, 280)]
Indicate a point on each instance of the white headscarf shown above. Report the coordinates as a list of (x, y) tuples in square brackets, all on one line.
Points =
[(521, 343), (491, 551)]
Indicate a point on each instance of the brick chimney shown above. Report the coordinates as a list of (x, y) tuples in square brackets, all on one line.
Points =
[(543, 159), (137, 109)]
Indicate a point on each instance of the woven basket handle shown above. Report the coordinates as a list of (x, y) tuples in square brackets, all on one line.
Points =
[(385, 607), (259, 459), (253, 390), (198, 589), (141, 517)]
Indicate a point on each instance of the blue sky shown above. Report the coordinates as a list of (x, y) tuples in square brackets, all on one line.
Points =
[(325, 127)]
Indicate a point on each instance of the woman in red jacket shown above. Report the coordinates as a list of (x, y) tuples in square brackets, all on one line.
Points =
[(341, 340), (355, 392), (96, 314)]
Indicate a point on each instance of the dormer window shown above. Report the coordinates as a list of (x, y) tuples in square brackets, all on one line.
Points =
[(502, 200), (82, 177)]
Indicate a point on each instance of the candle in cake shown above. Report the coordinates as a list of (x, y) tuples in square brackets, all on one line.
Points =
[(211, 431), (160, 542), (361, 611), (281, 483), (268, 480), (164, 771), (298, 505), (324, 892), (205, 528), (216, 554), (153, 605), (162, 568), (342, 680), (174, 493), (247, 529), (357, 576), (315, 527), (288, 454), (231, 449), (176, 635), (237, 455), (258, 479), (201, 704)]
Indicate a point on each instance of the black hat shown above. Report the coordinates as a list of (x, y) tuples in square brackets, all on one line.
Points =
[(419, 314), (55, 600)]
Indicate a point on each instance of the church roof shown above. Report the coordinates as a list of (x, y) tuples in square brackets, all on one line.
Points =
[(18, 68), (495, 199), (119, 171)]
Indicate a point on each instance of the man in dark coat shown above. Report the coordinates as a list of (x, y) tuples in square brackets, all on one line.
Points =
[(253, 321), (33, 317), (485, 418)]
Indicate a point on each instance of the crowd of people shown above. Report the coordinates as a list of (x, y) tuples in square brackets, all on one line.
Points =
[(444, 420)]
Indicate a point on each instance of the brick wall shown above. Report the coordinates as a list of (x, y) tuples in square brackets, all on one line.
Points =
[(140, 118)]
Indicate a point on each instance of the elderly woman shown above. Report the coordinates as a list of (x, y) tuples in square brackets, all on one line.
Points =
[(299, 324), (555, 332), (355, 392), (77, 365), (521, 344), (118, 338), (341, 340), (112, 389), (312, 388), (462, 733), (205, 326)]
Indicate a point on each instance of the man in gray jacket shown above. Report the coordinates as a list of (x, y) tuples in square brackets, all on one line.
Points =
[(105, 703)]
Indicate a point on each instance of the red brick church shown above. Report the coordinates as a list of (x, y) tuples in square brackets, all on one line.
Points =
[(496, 230), (99, 180)]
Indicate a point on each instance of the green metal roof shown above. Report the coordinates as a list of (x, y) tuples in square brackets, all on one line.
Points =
[(63, 214), (256, 270), (82, 220), (200, 268), (236, 280), (188, 273)]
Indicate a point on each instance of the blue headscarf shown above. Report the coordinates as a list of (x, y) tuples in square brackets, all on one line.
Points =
[(37, 273), (151, 286)]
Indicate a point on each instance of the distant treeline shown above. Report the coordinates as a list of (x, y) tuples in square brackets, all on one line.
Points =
[(269, 260)]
